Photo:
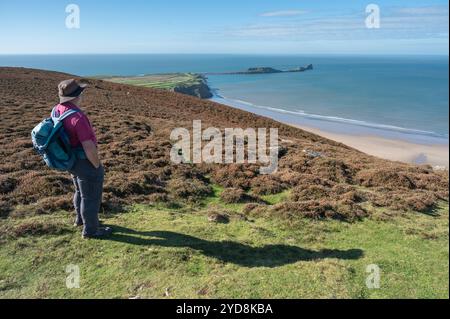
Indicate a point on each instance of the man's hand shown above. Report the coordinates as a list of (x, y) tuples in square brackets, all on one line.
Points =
[(91, 153)]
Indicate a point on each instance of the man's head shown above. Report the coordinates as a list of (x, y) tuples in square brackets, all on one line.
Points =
[(70, 91)]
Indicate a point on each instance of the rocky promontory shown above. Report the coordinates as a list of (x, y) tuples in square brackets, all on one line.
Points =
[(269, 70), (198, 88), (186, 83)]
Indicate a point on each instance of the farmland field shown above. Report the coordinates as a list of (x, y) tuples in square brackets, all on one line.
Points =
[(159, 81)]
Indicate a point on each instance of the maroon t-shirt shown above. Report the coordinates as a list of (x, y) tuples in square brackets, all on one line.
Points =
[(77, 126)]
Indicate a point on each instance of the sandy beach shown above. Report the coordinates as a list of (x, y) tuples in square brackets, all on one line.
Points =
[(395, 150), (417, 150)]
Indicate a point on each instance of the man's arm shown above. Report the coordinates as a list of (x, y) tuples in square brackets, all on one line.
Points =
[(91, 152)]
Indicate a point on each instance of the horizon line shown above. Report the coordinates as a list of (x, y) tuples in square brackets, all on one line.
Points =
[(200, 53)]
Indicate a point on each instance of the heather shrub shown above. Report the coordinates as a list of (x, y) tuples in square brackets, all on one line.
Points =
[(319, 209), (389, 177), (236, 176), (254, 209), (188, 189), (266, 185), (34, 186), (7, 184), (232, 195), (138, 183), (55, 203), (334, 170)]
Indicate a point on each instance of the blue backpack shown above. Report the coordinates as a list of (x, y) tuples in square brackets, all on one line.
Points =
[(52, 142)]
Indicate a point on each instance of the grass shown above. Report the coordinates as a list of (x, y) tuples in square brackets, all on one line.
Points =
[(159, 81), (158, 252)]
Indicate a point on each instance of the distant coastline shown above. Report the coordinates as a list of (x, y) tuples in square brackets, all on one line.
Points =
[(194, 84)]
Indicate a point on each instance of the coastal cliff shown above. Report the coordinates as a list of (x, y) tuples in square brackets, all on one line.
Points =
[(186, 83), (199, 89)]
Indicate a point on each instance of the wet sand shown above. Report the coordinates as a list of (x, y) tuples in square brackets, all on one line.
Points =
[(396, 150)]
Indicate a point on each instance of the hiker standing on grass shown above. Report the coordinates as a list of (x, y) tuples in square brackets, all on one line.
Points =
[(88, 172)]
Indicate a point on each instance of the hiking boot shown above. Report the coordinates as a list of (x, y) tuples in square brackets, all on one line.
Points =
[(79, 223), (102, 232)]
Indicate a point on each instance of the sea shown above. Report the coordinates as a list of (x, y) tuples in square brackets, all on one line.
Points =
[(401, 97)]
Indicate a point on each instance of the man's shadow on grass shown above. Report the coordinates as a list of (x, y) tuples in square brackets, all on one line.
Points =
[(232, 252)]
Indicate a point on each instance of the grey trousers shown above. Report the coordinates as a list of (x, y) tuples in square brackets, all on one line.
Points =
[(87, 199)]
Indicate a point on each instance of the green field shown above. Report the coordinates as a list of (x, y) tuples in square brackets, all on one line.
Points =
[(159, 81), (159, 252)]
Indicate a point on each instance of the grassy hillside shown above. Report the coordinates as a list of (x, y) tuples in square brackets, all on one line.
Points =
[(310, 230), (166, 253)]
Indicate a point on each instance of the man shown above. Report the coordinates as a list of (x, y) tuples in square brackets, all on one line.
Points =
[(88, 172)]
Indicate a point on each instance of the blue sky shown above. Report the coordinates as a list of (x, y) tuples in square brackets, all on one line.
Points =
[(232, 26)]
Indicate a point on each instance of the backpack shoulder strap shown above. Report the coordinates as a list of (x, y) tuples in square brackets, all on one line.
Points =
[(53, 114), (57, 124), (57, 119), (67, 114)]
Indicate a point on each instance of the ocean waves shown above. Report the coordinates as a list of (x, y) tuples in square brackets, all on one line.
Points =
[(321, 121)]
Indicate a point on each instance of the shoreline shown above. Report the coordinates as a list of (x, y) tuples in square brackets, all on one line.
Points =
[(390, 149), (385, 144)]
